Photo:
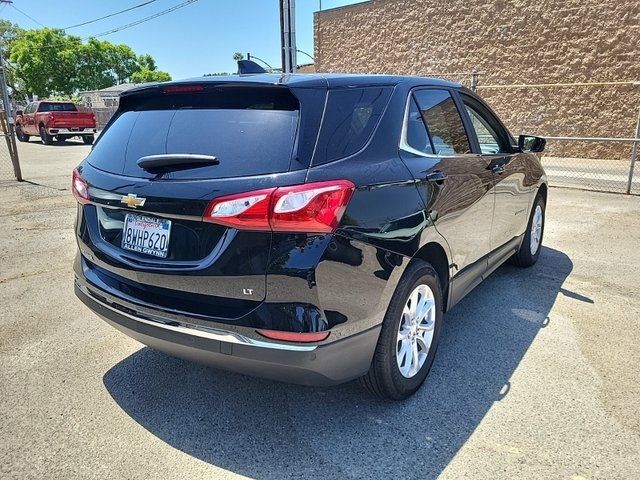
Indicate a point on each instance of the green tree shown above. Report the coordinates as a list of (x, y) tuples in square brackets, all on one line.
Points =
[(50, 62), (125, 62), (238, 56), (45, 61), (147, 61), (8, 33), (145, 75)]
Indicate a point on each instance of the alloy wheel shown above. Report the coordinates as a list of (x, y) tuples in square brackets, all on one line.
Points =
[(536, 230), (415, 332)]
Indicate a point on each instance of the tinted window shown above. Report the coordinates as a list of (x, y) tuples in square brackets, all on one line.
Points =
[(250, 140), (488, 138), (417, 135), (57, 107), (350, 118), (443, 120)]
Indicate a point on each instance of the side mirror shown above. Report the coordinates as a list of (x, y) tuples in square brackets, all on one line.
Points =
[(531, 143), (19, 112)]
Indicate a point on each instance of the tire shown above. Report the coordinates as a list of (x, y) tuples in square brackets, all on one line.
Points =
[(385, 378), (527, 256), (45, 137), (20, 135), (88, 139)]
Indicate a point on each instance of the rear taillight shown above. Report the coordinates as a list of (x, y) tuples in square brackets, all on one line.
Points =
[(249, 211), (294, 336), (310, 208), (79, 187)]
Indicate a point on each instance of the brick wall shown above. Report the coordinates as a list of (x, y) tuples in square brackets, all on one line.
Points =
[(511, 42)]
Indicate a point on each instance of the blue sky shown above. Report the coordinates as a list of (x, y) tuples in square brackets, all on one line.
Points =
[(199, 38)]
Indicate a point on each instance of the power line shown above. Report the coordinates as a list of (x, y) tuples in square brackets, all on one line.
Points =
[(143, 20), (26, 15), (110, 15)]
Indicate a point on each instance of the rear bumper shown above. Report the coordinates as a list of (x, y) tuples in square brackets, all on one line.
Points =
[(307, 364), (71, 131)]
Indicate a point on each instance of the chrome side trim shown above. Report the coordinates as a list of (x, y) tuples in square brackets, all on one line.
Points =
[(203, 332)]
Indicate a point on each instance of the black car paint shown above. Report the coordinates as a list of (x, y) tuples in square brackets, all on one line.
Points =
[(340, 282)]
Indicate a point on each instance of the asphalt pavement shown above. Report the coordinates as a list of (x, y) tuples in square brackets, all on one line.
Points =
[(536, 375)]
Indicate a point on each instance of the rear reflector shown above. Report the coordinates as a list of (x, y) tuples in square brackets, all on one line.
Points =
[(310, 208), (79, 187), (294, 336)]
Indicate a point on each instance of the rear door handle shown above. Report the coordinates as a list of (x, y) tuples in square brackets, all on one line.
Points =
[(436, 176)]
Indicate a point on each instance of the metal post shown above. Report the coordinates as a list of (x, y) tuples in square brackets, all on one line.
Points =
[(634, 156), (11, 142), (474, 80), (288, 35), (292, 36)]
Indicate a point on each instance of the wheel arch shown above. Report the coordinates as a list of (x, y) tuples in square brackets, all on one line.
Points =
[(436, 255), (542, 191)]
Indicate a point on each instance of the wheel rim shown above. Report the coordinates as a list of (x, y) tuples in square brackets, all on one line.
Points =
[(415, 332), (536, 230)]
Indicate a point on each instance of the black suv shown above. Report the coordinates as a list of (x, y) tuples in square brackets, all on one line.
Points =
[(305, 228)]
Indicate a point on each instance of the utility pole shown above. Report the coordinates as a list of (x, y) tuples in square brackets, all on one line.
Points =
[(3, 82), (7, 126), (288, 35)]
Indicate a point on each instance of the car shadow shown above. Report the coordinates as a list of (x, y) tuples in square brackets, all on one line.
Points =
[(263, 429)]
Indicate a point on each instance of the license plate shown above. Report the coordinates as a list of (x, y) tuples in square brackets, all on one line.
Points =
[(146, 235)]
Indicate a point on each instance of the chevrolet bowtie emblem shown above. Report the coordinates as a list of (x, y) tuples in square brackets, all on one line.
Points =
[(132, 200)]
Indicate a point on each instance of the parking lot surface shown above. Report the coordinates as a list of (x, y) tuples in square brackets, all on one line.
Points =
[(536, 375)]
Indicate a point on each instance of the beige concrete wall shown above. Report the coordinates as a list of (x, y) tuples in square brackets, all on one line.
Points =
[(511, 42)]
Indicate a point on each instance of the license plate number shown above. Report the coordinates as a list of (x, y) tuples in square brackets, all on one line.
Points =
[(146, 235)]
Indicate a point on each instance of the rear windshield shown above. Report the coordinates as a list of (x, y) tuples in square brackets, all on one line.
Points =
[(57, 107), (249, 131)]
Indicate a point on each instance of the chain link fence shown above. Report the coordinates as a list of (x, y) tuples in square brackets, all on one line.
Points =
[(599, 174), (9, 166), (6, 166), (608, 164)]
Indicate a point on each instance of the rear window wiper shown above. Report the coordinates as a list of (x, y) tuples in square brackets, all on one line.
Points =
[(176, 161)]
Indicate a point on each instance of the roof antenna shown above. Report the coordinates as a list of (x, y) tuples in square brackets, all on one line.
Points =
[(249, 66)]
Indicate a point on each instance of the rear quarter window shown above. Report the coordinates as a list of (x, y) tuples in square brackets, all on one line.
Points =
[(350, 118)]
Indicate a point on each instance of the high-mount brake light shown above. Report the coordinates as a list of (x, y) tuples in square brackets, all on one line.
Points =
[(310, 208), (79, 187), (294, 336), (182, 89)]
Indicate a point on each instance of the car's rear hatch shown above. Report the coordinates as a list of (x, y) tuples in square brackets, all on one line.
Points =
[(260, 137)]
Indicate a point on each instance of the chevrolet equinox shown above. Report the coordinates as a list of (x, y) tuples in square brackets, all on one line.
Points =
[(305, 228)]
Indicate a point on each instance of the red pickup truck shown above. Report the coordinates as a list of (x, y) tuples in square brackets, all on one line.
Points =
[(59, 120)]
